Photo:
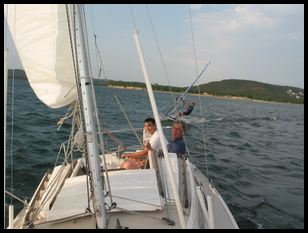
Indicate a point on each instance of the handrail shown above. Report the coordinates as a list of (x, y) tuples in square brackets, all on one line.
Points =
[(17, 198)]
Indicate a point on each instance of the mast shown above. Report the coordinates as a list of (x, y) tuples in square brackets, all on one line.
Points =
[(160, 130), (91, 133)]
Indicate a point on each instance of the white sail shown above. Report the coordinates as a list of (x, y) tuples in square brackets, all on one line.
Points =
[(41, 36)]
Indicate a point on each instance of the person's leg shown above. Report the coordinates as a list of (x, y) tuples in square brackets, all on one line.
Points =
[(129, 164)]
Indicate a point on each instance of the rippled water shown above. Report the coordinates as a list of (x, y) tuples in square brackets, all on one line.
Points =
[(254, 150)]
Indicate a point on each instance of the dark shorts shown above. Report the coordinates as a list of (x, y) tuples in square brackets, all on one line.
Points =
[(188, 111)]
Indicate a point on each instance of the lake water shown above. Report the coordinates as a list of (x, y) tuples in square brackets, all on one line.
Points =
[(254, 150)]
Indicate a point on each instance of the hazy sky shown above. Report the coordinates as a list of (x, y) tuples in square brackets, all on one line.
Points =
[(258, 42)]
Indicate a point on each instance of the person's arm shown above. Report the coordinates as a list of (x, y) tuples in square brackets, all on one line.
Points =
[(136, 155)]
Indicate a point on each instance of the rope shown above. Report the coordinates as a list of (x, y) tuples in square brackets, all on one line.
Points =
[(166, 74), (114, 138), (97, 49), (68, 114), (129, 123), (200, 102), (93, 33), (161, 56), (132, 15), (72, 45), (72, 36), (79, 103), (76, 137), (100, 59), (103, 70)]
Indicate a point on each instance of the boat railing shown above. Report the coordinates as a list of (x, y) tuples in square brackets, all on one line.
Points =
[(120, 149)]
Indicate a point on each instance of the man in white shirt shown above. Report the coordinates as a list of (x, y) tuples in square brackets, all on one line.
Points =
[(134, 160), (155, 144)]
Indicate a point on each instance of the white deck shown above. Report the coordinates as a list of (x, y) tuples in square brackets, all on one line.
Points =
[(134, 190), (72, 200)]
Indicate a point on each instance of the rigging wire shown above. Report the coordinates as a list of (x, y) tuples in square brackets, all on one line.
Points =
[(94, 34), (97, 54), (110, 135), (12, 107), (100, 135), (72, 35), (133, 18), (70, 10), (129, 122), (199, 96), (166, 73), (160, 54), (100, 59)]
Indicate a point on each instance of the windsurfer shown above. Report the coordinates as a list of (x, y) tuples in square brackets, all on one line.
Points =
[(188, 108)]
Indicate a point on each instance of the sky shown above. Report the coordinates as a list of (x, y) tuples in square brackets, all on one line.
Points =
[(260, 42)]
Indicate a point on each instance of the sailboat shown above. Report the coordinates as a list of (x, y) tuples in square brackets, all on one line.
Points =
[(172, 113), (88, 192)]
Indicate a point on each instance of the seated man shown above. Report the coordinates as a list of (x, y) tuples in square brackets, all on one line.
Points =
[(134, 160), (177, 145)]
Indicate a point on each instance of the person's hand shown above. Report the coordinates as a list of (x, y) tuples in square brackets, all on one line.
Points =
[(124, 156), (140, 163), (148, 146)]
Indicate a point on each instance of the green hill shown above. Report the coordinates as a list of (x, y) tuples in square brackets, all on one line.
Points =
[(234, 88), (253, 90)]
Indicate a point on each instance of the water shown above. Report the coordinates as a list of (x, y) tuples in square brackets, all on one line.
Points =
[(254, 150)]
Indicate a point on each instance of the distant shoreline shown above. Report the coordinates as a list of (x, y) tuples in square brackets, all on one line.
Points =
[(126, 87), (209, 95), (233, 89), (243, 98)]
